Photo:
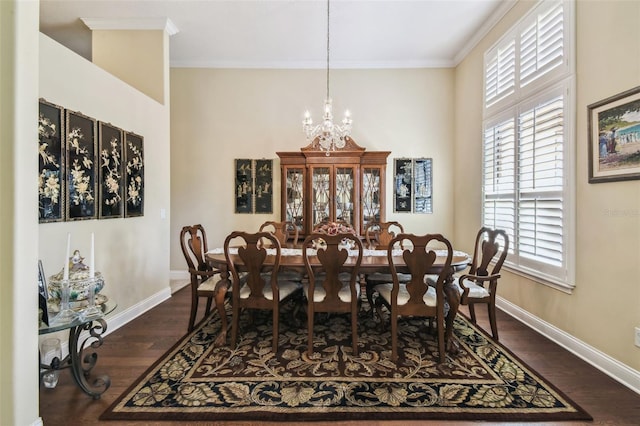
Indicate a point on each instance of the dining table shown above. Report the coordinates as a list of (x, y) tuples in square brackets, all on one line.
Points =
[(372, 261)]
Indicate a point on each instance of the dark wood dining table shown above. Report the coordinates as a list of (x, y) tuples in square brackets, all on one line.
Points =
[(372, 261)]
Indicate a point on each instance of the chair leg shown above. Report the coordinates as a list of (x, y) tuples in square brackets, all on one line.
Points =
[(276, 315), (208, 307), (235, 323), (441, 348), (492, 320), (472, 313), (309, 332), (394, 337), (194, 310), (369, 289), (354, 333)]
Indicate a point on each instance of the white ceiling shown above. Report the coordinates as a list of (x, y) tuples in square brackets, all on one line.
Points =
[(289, 33)]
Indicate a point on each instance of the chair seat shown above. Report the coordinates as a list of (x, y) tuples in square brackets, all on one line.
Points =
[(475, 291), (384, 290), (286, 288), (286, 275), (209, 285), (379, 277), (319, 294)]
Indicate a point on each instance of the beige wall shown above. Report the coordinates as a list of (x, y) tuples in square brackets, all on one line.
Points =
[(220, 115), (605, 305), (131, 253), (134, 56)]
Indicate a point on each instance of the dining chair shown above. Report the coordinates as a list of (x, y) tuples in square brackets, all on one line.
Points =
[(334, 287), (378, 235), (287, 233), (253, 289), (480, 283), (203, 277), (416, 297)]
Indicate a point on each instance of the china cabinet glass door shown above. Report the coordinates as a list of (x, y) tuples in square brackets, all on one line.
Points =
[(371, 209), (344, 194), (320, 195), (332, 194), (294, 202)]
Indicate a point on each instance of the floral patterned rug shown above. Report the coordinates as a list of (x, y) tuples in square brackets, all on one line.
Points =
[(484, 381)]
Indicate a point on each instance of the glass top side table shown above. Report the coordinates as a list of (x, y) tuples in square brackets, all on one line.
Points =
[(80, 365)]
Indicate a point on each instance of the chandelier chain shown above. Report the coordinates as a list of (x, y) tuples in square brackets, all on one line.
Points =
[(328, 41), (327, 135)]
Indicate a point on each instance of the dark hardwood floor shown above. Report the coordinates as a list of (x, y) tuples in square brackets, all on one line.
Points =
[(130, 350)]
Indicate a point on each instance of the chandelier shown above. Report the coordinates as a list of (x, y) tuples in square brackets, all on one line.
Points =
[(327, 136)]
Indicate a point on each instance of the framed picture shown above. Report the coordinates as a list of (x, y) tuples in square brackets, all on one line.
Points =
[(244, 186), (110, 171), (402, 185), (134, 174), (51, 181), (614, 138), (43, 293), (263, 188), (422, 185), (81, 142)]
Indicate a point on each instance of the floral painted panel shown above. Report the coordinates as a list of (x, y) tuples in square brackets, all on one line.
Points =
[(264, 186), (244, 186), (81, 166), (134, 175), (110, 177), (403, 184), (51, 182)]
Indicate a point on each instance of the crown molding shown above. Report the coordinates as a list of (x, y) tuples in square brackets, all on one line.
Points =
[(164, 24), (495, 17)]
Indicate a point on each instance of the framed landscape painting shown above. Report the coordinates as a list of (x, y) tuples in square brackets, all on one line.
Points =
[(81, 142), (51, 181), (614, 138), (110, 175), (134, 175)]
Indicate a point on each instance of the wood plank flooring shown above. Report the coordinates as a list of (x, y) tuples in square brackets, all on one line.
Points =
[(130, 350)]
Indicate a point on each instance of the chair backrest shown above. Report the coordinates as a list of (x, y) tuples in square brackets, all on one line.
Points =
[(332, 255), (379, 234), (491, 245), (252, 251), (285, 231), (419, 257), (193, 241)]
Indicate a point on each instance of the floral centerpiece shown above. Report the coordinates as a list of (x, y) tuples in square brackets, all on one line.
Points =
[(335, 228)]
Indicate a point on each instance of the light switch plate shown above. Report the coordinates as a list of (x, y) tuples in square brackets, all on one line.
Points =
[(638, 337)]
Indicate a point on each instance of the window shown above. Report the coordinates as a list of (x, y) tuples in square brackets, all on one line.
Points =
[(528, 183)]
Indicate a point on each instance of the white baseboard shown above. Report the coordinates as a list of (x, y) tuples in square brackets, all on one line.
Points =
[(618, 371), (115, 321)]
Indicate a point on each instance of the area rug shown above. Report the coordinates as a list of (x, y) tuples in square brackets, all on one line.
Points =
[(484, 381)]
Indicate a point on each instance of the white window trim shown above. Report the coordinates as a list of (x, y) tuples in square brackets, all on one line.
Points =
[(510, 106)]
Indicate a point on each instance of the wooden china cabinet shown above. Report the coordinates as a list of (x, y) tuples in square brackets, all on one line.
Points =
[(346, 185)]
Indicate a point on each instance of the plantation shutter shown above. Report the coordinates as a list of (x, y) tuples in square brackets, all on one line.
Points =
[(540, 180), (526, 184)]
